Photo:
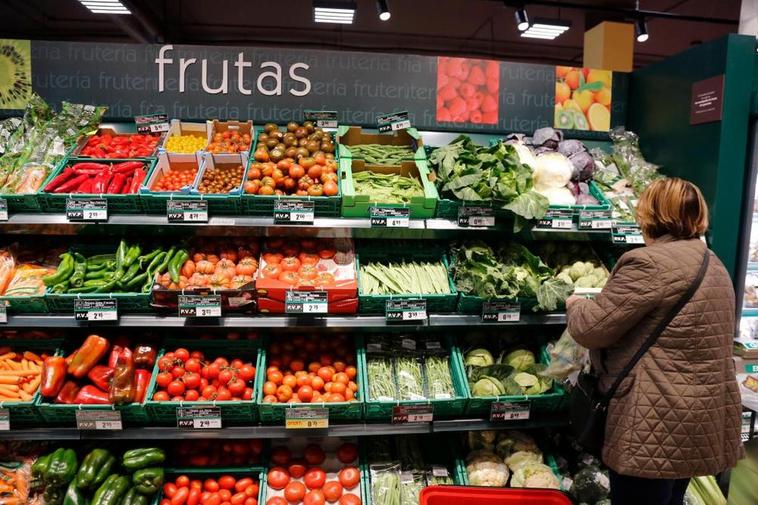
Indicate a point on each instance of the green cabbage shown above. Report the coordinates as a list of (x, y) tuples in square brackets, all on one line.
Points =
[(520, 359), (479, 357)]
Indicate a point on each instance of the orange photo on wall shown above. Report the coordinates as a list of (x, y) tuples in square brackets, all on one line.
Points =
[(583, 99), (467, 90)]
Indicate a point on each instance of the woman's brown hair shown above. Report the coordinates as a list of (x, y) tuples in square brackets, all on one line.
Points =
[(672, 206)]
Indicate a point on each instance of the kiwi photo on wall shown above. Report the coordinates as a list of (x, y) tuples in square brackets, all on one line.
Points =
[(583, 99), (15, 73)]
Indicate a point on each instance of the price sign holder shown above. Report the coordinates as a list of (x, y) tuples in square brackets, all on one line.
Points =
[(388, 217), (5, 420), (510, 411), (393, 122), (557, 220), (306, 302), (199, 305), (411, 414), (476, 217), (86, 209), (289, 211), (627, 234), (98, 420), (187, 211), (152, 123), (98, 309), (405, 311), (595, 220), (3, 209), (501, 311), (322, 118), (208, 418), (306, 419), (3, 313)]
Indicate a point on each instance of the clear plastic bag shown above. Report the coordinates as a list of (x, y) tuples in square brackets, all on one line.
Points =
[(567, 359)]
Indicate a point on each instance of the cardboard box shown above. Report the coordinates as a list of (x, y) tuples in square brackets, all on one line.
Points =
[(185, 128), (172, 161), (353, 135), (243, 127)]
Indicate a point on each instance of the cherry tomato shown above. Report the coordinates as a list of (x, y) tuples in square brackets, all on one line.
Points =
[(278, 477), (180, 497), (238, 498), (315, 478), (169, 489), (314, 497), (347, 453), (226, 482), (332, 490), (163, 379), (294, 492), (297, 468), (176, 388), (349, 477), (242, 484), (314, 454)]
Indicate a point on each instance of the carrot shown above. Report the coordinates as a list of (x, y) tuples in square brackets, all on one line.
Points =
[(19, 372), (32, 357)]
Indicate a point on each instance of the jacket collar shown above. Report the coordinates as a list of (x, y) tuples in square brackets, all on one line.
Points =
[(665, 239)]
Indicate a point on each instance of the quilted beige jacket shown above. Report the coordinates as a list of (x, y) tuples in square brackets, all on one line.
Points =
[(677, 415)]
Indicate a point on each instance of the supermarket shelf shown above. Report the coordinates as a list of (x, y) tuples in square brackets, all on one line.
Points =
[(336, 430), (356, 321), (752, 267), (749, 312)]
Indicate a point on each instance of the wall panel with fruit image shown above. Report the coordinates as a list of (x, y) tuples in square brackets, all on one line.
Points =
[(583, 99)]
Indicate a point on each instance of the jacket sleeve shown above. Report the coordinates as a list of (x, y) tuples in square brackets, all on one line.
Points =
[(629, 295)]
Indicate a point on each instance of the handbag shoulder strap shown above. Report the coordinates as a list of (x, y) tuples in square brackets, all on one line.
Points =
[(606, 398)]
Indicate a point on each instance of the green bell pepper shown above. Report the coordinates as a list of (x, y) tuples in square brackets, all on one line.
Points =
[(133, 497), (40, 465), (62, 467), (136, 459), (94, 469), (74, 495), (112, 490), (148, 480)]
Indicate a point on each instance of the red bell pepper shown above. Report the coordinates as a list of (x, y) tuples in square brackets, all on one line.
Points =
[(127, 167), (59, 179), (113, 356), (139, 176), (117, 184), (123, 386), (90, 352), (53, 376), (70, 185), (68, 393), (101, 376), (86, 187), (69, 358), (90, 395), (141, 380), (144, 355)]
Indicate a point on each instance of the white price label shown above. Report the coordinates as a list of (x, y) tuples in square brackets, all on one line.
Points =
[(398, 222), (414, 315), (209, 312), (5, 420), (98, 420), (602, 224), (481, 221), (508, 317), (102, 315), (401, 125), (3, 209), (196, 216), (562, 224), (207, 423), (314, 308), (302, 217), (635, 239)]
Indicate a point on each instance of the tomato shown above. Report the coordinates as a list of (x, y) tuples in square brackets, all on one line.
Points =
[(290, 263), (254, 172), (290, 278), (276, 377), (326, 373), (347, 453), (315, 478), (165, 364), (192, 395), (226, 482), (180, 497), (223, 394), (305, 393), (177, 372), (193, 365), (314, 454), (330, 188), (251, 501), (251, 187), (252, 490), (163, 379), (210, 485), (297, 468), (247, 372), (316, 190), (278, 477), (214, 499), (296, 171), (332, 490), (237, 387), (271, 271), (194, 496), (308, 258), (211, 371), (225, 495), (349, 499), (175, 388), (283, 393), (325, 279), (349, 477), (314, 172), (169, 489), (308, 272), (314, 497), (182, 354), (276, 500), (191, 380), (238, 498), (294, 492)]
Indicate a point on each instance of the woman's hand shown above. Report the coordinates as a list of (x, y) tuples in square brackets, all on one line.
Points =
[(571, 299)]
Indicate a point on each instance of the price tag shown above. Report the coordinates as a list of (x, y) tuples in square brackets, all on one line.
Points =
[(198, 418), (476, 217), (3, 209), (406, 477), (98, 420), (3, 313), (509, 411), (104, 309), (5, 420), (440, 471), (751, 368), (409, 414), (387, 217), (199, 305), (322, 118), (306, 419), (501, 311), (566, 483), (187, 211), (294, 211), (556, 220), (306, 302), (595, 220), (393, 122), (152, 123), (627, 234), (86, 209), (405, 311)]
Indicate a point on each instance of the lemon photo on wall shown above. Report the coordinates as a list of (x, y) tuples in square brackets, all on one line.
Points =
[(15, 73)]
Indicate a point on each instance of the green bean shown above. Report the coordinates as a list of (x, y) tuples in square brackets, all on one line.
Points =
[(409, 381), (404, 278), (411, 485), (385, 487), (380, 383), (438, 379)]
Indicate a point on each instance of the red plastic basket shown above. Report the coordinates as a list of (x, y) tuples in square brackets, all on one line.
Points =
[(460, 495)]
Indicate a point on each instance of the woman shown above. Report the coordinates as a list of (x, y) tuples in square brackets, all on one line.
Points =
[(677, 414)]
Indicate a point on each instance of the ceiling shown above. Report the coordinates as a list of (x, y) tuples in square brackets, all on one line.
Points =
[(460, 27)]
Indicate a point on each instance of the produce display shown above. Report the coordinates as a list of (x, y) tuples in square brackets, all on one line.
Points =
[(99, 477), (177, 176), (295, 142), (204, 490), (209, 453), (412, 277), (307, 369), (229, 141), (186, 144), (382, 154), (22, 271), (33, 145), (514, 373), (309, 176), (185, 375), (313, 473), (20, 374), (108, 144), (87, 177), (221, 179), (576, 263), (387, 188), (467, 90), (99, 373), (125, 271)]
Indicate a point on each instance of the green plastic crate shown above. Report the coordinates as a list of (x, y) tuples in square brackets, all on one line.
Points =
[(134, 414), (33, 304), (602, 205), (553, 401), (154, 202), (353, 205), (258, 473), (117, 204), (338, 411), (377, 410), (353, 135), (128, 303), (376, 304), (238, 412)]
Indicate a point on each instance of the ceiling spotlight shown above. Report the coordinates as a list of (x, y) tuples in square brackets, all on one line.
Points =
[(105, 6), (547, 29), (522, 20), (333, 11), (641, 28), (384, 10)]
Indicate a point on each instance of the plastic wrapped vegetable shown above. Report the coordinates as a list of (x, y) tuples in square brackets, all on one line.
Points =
[(535, 475), (484, 468), (590, 485), (409, 382), (566, 358), (438, 378), (513, 441), (519, 459), (385, 484)]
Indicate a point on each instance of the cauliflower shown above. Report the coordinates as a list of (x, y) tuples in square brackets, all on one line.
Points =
[(552, 170), (514, 441), (482, 439), (535, 475), (520, 458), (484, 468)]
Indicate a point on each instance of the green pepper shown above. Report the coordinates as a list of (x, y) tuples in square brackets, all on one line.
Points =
[(142, 458), (107, 287), (96, 267), (131, 255), (148, 480), (111, 491), (63, 272), (40, 466), (146, 259), (84, 289), (95, 467), (121, 254), (61, 287), (176, 263), (80, 269), (155, 262), (74, 495), (129, 275), (95, 283), (62, 467), (165, 262), (101, 259), (136, 281), (133, 497)]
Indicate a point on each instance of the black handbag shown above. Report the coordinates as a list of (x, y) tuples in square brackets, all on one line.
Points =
[(588, 408)]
